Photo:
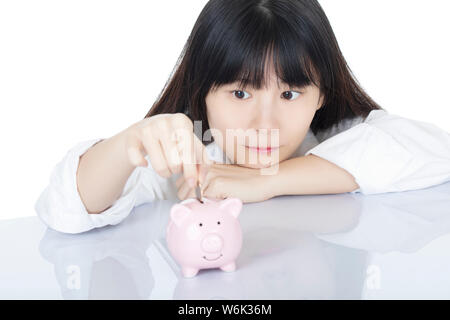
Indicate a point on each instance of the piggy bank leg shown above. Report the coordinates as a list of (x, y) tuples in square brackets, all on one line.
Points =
[(229, 267), (189, 272)]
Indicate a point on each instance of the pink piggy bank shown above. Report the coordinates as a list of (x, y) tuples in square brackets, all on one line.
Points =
[(205, 235)]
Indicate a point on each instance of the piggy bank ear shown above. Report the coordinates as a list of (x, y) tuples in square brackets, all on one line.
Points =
[(178, 213), (232, 205)]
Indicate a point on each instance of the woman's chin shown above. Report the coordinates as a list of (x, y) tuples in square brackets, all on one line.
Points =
[(256, 165)]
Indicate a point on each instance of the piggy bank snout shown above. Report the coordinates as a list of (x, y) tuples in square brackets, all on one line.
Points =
[(212, 243)]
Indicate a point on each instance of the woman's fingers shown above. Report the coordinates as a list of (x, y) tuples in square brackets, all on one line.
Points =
[(203, 172), (171, 152), (207, 176), (157, 158), (192, 152), (187, 151), (179, 182), (202, 153), (135, 151), (203, 161), (191, 193), (185, 191), (171, 145)]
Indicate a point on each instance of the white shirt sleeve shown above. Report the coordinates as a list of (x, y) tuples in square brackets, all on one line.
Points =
[(388, 153), (61, 208)]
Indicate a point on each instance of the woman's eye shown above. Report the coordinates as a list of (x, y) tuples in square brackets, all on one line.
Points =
[(291, 95), (240, 94)]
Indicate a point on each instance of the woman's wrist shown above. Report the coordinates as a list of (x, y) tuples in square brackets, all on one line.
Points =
[(102, 173), (309, 175), (272, 181), (286, 177), (120, 140)]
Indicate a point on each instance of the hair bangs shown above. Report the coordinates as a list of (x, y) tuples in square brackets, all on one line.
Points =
[(264, 49)]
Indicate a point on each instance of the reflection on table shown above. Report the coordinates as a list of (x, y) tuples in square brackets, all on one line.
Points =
[(295, 247)]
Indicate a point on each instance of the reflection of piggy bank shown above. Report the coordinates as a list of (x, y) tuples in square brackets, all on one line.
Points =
[(205, 235)]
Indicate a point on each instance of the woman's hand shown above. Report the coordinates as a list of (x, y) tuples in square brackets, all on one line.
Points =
[(170, 143), (184, 189), (226, 180)]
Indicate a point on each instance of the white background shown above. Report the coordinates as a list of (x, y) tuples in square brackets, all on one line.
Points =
[(77, 70)]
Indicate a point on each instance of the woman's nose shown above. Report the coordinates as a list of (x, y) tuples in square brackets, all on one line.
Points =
[(265, 115)]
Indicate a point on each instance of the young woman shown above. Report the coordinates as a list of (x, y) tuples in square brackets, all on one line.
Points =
[(250, 67)]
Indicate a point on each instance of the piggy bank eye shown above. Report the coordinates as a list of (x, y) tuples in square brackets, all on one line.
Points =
[(200, 224), (218, 222)]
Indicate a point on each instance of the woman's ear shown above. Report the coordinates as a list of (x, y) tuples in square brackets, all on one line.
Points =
[(321, 100)]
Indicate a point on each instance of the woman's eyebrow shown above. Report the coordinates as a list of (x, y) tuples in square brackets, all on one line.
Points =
[(304, 87), (293, 87), (280, 86)]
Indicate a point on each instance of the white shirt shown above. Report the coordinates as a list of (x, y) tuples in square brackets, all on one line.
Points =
[(384, 153)]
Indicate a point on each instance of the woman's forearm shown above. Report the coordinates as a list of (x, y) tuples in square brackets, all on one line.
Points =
[(102, 173), (312, 175)]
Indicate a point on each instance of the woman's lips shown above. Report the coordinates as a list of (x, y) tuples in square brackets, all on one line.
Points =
[(262, 150)]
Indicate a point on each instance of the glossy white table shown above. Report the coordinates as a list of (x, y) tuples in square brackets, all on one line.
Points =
[(389, 246)]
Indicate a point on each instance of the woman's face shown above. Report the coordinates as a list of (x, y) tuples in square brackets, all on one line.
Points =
[(246, 112)]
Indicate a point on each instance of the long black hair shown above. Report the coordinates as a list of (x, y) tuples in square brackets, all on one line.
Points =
[(231, 41)]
